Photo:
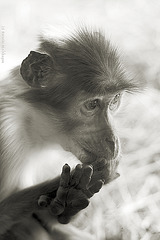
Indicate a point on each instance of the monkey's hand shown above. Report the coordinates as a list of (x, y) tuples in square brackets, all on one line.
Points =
[(73, 193)]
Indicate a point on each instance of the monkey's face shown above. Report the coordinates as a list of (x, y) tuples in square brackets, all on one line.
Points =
[(92, 134)]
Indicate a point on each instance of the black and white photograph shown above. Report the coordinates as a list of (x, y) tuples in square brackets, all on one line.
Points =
[(79, 120)]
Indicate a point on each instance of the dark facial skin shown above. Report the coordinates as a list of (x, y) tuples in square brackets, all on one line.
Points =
[(94, 133)]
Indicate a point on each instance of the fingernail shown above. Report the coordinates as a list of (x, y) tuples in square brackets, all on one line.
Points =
[(43, 201), (66, 167), (117, 175)]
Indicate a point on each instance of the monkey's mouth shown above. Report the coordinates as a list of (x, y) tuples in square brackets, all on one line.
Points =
[(105, 168), (87, 155), (89, 151)]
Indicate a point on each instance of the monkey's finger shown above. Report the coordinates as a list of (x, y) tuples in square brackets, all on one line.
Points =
[(57, 205), (44, 201), (65, 176), (93, 189), (86, 177), (79, 204), (74, 208), (63, 185), (64, 219), (96, 187), (75, 178)]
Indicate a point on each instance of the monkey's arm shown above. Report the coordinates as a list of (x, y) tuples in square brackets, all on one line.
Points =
[(24, 203), (71, 197)]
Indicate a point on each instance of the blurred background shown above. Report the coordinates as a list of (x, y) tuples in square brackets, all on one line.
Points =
[(131, 204)]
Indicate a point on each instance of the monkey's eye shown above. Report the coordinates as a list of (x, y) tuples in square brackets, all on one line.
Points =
[(115, 102), (92, 104)]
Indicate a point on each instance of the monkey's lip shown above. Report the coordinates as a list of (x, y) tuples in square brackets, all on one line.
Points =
[(89, 156)]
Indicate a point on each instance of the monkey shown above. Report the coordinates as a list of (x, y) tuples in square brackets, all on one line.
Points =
[(63, 94)]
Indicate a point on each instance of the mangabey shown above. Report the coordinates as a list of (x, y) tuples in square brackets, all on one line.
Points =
[(63, 94)]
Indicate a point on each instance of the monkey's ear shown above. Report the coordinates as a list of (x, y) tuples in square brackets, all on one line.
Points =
[(35, 69)]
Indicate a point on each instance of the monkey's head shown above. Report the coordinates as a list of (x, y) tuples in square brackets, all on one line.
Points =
[(81, 80)]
